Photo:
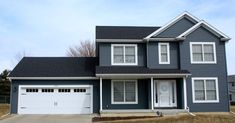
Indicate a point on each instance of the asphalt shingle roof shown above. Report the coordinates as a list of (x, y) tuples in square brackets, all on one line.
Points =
[(123, 32), (55, 67)]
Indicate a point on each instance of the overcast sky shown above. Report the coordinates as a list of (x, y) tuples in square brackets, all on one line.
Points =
[(49, 27)]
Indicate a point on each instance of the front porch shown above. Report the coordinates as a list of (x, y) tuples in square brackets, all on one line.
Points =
[(165, 94)]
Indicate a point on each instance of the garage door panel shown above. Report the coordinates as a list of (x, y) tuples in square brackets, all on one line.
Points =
[(55, 100)]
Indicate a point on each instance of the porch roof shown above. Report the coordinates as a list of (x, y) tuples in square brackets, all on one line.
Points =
[(131, 71)]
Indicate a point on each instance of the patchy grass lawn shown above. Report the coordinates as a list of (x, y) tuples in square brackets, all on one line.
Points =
[(4, 109), (185, 118)]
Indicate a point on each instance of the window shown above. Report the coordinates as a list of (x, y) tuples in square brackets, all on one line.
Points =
[(205, 90), (164, 53), (79, 90), (47, 90), (203, 52), (64, 90), (124, 54), (124, 92), (233, 83), (230, 97), (32, 90)]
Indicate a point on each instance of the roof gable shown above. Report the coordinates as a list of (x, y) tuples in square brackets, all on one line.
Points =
[(172, 22), (207, 26)]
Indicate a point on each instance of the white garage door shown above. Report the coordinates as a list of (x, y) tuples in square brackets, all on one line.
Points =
[(55, 99)]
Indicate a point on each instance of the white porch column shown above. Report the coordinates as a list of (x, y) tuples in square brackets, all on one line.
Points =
[(152, 94), (185, 93), (101, 94)]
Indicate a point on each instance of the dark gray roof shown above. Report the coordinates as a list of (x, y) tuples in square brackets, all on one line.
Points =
[(123, 32), (231, 78), (137, 70), (55, 67)]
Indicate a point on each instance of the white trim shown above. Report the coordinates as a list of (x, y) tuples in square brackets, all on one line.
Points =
[(172, 22), (159, 53), (143, 75), (124, 45), (164, 39), (120, 40), (52, 78), (185, 93), (203, 62), (204, 79), (152, 94), (208, 27), (136, 93), (101, 94)]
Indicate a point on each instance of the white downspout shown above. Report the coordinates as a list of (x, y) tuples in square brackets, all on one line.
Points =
[(101, 95), (152, 94), (185, 94)]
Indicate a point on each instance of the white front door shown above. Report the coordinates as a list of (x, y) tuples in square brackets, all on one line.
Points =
[(165, 93), (55, 99)]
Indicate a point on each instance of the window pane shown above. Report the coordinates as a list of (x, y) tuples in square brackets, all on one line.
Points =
[(198, 84), (197, 48), (164, 57), (208, 56), (211, 94), (130, 59), (163, 48), (130, 91), (130, 50), (208, 48), (118, 50), (118, 91), (200, 95), (210, 85), (118, 59), (197, 56)]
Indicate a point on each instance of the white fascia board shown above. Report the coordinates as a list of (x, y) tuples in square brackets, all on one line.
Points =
[(52, 78), (142, 75), (208, 27), (172, 22), (120, 40)]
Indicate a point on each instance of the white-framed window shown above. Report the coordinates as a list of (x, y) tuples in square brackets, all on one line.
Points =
[(205, 90), (124, 92), (164, 53), (124, 54), (203, 52)]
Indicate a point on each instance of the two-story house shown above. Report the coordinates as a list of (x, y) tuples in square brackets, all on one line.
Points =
[(181, 65)]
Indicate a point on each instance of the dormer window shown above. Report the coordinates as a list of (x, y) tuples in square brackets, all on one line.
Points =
[(124, 54)]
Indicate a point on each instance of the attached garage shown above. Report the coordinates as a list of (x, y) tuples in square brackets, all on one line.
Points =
[(55, 99)]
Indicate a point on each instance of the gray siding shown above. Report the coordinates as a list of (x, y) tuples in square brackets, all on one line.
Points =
[(177, 29), (206, 70), (105, 54), (143, 101), (16, 83), (153, 58)]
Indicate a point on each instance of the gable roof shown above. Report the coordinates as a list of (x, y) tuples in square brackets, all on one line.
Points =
[(55, 67), (206, 26), (172, 22), (123, 32)]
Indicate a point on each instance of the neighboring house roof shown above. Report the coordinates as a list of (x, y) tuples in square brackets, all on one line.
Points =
[(55, 67), (231, 78), (137, 70), (123, 32)]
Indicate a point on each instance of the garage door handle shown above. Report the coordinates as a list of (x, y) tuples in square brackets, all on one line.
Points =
[(23, 94), (87, 107), (23, 107)]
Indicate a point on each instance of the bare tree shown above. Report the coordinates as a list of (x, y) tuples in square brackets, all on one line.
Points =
[(84, 49), (20, 55)]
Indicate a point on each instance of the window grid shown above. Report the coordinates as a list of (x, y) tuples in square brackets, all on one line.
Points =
[(205, 90)]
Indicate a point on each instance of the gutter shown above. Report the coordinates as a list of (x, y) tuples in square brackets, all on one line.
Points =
[(164, 39)]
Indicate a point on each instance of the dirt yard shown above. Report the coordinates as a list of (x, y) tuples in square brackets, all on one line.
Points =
[(4, 109)]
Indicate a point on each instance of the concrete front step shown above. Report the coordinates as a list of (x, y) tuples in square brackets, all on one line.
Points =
[(127, 113)]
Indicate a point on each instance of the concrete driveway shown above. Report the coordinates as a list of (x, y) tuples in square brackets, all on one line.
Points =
[(48, 119)]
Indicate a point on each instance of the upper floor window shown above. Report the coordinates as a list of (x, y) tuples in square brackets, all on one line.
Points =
[(203, 52), (164, 53), (205, 90), (124, 54)]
